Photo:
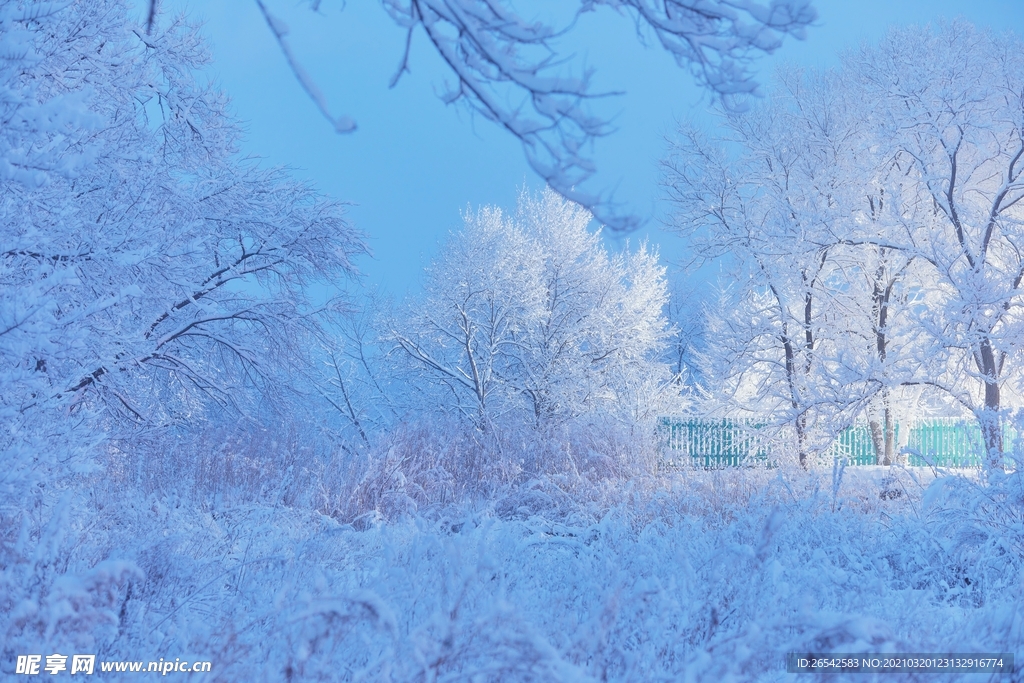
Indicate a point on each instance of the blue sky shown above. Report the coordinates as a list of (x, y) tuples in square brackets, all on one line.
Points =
[(414, 165)]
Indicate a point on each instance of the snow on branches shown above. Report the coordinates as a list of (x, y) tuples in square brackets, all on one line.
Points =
[(876, 214), (509, 69), (145, 270), (527, 317)]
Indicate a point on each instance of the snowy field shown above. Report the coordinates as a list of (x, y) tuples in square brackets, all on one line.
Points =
[(691, 575)]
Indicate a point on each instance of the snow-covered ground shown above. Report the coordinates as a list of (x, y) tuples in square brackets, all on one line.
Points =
[(697, 575)]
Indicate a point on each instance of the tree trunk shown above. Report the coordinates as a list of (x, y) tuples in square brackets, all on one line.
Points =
[(883, 432), (890, 432), (877, 439), (991, 429), (801, 439), (882, 435), (992, 433)]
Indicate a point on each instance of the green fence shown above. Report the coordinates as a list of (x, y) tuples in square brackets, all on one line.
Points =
[(945, 442), (716, 443), (953, 443), (855, 445)]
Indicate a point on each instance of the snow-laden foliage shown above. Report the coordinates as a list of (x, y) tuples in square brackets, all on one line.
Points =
[(699, 576), (527, 319), (166, 275), (47, 121), (875, 217), (150, 279)]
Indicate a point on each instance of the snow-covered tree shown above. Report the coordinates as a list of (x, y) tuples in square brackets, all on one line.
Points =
[(147, 273), (149, 278), (773, 213), (171, 267), (526, 317), (948, 116), (507, 67), (880, 206)]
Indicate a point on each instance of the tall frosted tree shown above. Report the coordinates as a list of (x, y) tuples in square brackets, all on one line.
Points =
[(949, 110), (883, 201), (528, 318), (770, 213), (148, 274)]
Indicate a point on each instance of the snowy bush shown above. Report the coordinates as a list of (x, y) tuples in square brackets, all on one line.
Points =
[(706, 574)]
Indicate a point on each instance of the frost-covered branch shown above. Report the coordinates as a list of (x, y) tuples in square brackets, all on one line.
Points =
[(510, 70)]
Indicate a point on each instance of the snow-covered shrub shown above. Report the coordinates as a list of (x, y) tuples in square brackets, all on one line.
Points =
[(426, 466), (711, 574), (978, 525), (700, 574)]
